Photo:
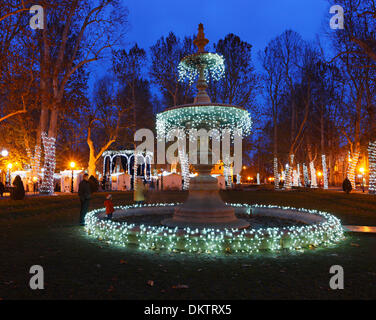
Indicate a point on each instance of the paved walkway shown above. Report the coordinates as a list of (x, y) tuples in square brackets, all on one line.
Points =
[(362, 229)]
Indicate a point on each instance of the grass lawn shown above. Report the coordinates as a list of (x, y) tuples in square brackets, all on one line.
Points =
[(44, 231)]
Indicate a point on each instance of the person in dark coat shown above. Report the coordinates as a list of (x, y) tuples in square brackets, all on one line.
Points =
[(85, 194), (2, 188)]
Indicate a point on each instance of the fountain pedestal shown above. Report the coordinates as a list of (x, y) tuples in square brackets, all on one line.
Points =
[(204, 207)]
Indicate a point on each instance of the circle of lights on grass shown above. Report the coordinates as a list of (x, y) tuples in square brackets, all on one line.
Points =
[(323, 231)]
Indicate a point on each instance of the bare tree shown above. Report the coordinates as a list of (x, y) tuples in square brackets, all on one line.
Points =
[(76, 33), (272, 78)]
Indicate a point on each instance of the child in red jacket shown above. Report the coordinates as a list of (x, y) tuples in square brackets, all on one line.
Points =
[(109, 206)]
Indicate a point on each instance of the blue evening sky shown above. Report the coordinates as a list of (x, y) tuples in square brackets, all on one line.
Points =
[(256, 22)]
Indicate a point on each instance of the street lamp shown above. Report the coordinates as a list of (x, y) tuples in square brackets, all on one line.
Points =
[(72, 165), (319, 174), (4, 153)]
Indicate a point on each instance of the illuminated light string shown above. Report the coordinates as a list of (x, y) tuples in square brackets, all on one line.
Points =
[(36, 159), (289, 173), (184, 164), (313, 175), (298, 175), (324, 171), (219, 117), (276, 173), (189, 66), (372, 167), (352, 167), (49, 164), (295, 178), (325, 233), (305, 175)]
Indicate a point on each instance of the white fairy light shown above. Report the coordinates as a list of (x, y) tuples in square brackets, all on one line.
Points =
[(324, 233), (306, 176), (313, 175), (298, 174), (372, 167), (276, 173), (189, 66), (213, 116), (49, 164), (352, 168), (324, 171)]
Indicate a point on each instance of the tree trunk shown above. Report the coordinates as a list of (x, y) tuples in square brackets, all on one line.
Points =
[(49, 145), (372, 167), (275, 148), (323, 157), (351, 172)]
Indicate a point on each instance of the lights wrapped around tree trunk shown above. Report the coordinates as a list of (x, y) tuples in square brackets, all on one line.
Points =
[(305, 175), (295, 178), (352, 168), (372, 167), (276, 173), (49, 145), (184, 164), (324, 171), (289, 173), (36, 160), (298, 173), (313, 175)]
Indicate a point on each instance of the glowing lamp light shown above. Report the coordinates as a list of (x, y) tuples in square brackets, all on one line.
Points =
[(361, 170), (72, 164), (249, 178), (244, 167), (4, 153), (35, 179), (10, 166), (319, 173)]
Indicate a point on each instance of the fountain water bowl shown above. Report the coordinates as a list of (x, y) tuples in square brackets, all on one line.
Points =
[(139, 226)]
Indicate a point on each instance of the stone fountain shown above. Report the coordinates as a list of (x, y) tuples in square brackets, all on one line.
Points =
[(204, 207)]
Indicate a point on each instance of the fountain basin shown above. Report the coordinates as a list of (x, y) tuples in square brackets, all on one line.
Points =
[(311, 228)]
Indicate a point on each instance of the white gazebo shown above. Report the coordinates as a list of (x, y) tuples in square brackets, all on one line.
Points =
[(117, 162)]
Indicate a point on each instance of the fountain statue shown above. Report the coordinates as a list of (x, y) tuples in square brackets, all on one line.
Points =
[(204, 208)]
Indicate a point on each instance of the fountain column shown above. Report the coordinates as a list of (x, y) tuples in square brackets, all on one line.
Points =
[(204, 207)]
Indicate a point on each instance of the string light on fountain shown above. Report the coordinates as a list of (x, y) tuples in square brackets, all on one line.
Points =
[(213, 64), (218, 116), (211, 240)]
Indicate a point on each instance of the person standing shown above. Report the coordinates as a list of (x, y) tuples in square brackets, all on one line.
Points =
[(85, 194), (109, 207), (2, 188)]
